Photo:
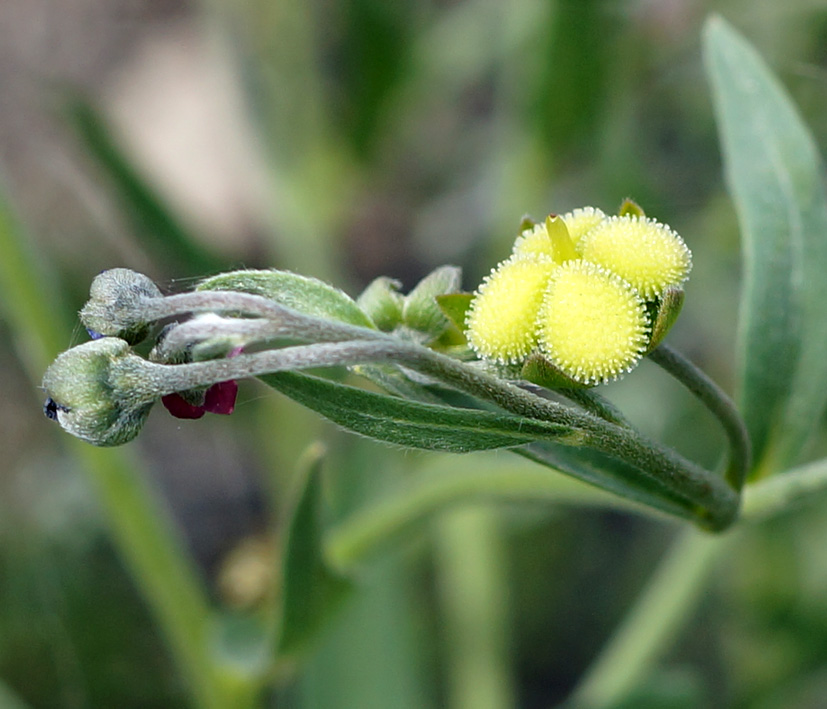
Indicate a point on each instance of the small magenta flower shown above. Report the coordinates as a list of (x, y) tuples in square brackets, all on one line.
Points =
[(502, 316), (219, 398), (647, 254), (592, 324)]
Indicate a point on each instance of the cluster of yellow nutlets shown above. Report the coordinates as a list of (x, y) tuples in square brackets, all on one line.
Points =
[(576, 289)]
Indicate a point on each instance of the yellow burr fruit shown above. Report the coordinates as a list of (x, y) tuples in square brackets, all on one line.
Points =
[(592, 324), (645, 253), (501, 321)]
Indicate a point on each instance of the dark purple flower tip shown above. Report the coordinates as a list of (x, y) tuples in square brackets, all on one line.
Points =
[(181, 408), (94, 335), (220, 397)]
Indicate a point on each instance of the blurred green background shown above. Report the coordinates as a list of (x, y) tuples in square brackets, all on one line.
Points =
[(347, 140)]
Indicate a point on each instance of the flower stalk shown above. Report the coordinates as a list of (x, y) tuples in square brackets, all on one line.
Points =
[(721, 406)]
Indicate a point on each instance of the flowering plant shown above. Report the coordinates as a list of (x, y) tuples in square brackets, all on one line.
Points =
[(580, 301), (516, 364)]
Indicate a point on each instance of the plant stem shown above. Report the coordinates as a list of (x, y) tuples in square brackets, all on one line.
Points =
[(652, 623), (473, 593), (151, 548), (716, 400), (716, 504), (446, 482), (142, 534), (780, 492), (215, 301)]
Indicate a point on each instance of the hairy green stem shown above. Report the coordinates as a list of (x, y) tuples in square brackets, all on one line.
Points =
[(716, 505), (586, 399), (281, 318), (721, 406)]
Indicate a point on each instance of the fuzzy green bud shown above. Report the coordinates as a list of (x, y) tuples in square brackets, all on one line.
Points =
[(383, 302), (96, 392), (117, 303), (421, 311)]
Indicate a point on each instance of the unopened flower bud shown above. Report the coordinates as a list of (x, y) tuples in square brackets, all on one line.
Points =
[(99, 392), (382, 302), (421, 312), (117, 303)]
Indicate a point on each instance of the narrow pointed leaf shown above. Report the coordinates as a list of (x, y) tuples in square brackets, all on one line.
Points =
[(458, 430), (312, 592), (412, 424), (775, 176), (307, 295)]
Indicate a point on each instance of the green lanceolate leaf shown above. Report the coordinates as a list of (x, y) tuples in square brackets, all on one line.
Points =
[(452, 429), (774, 173), (311, 591), (411, 423), (609, 474), (302, 293)]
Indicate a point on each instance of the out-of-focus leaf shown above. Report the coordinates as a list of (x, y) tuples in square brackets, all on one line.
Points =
[(311, 591), (28, 298), (151, 219), (775, 176), (577, 60), (442, 481), (411, 423), (302, 293), (9, 700)]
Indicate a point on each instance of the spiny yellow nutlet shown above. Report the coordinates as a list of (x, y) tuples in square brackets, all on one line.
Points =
[(534, 242), (502, 317), (592, 324), (537, 241), (581, 221), (647, 254)]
